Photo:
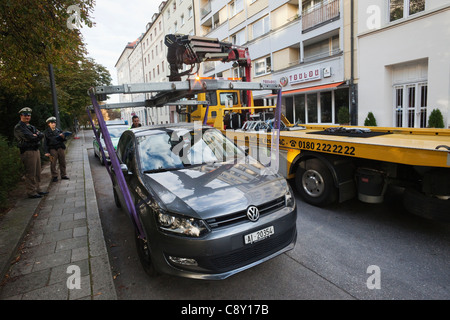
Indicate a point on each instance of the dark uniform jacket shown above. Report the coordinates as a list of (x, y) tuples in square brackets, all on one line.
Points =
[(53, 140), (25, 137)]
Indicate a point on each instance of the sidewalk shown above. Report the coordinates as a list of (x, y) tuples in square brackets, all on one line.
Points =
[(48, 245)]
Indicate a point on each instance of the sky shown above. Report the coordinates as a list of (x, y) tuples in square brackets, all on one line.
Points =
[(117, 23)]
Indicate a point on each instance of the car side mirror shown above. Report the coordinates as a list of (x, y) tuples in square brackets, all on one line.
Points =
[(124, 168)]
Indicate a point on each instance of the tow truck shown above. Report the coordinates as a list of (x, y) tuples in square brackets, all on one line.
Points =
[(328, 163)]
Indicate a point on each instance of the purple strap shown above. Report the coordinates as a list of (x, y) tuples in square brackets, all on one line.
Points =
[(115, 165)]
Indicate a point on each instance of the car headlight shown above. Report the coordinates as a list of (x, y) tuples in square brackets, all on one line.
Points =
[(181, 225), (289, 198)]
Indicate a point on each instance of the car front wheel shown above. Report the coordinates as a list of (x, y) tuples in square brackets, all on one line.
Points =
[(145, 256)]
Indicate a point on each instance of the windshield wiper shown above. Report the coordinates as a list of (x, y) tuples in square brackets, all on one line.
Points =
[(161, 170)]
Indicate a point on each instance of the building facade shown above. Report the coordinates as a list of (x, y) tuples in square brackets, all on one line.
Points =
[(404, 63), (144, 60), (303, 45)]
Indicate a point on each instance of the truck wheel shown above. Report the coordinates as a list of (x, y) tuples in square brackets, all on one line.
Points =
[(315, 183), (145, 256), (425, 206)]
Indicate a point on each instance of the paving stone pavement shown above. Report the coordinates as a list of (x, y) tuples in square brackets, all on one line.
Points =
[(53, 248)]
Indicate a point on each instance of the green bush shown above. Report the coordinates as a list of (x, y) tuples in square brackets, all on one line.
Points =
[(370, 120), (343, 115), (11, 168), (436, 120)]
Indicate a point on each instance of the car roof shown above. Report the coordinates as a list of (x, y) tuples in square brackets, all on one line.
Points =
[(117, 126), (142, 131)]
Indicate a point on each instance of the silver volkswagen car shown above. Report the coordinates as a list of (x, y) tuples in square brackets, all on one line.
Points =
[(208, 210)]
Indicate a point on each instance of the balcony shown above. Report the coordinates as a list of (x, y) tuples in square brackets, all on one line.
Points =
[(325, 11), (205, 8)]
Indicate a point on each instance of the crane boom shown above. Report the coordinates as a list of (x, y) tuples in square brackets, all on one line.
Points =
[(192, 50)]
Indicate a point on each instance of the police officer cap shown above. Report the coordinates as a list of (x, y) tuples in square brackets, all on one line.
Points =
[(51, 119), (25, 110)]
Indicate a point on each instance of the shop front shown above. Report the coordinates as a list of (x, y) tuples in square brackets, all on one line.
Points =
[(311, 95)]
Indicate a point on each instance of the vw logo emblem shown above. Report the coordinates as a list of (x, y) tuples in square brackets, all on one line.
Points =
[(253, 213)]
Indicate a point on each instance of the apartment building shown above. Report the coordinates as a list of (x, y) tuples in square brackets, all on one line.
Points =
[(303, 45), (404, 64), (146, 58)]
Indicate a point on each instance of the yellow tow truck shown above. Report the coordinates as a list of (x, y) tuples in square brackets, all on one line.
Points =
[(328, 163)]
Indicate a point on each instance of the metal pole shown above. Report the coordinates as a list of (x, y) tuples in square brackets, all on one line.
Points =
[(54, 97), (353, 104)]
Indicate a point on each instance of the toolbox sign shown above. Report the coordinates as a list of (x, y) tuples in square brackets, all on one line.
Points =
[(305, 76)]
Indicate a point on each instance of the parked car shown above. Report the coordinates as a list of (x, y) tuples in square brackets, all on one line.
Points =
[(115, 131), (207, 209)]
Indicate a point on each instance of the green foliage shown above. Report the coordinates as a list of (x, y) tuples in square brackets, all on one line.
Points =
[(33, 35), (343, 115), (436, 120), (370, 120), (11, 168)]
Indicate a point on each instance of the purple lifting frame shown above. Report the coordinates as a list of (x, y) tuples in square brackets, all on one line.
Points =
[(115, 164)]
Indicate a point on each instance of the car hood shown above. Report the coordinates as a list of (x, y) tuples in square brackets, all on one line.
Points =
[(212, 190)]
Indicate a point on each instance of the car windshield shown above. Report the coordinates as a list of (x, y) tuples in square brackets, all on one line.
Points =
[(116, 132), (176, 149)]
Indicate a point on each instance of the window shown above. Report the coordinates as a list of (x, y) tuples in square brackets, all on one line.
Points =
[(236, 7), (260, 27), (190, 12), (399, 9), (321, 49), (311, 100), (182, 19), (238, 38), (236, 72), (228, 98), (410, 105), (263, 66), (176, 26)]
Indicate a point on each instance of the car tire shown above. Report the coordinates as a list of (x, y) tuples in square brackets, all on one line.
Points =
[(100, 158), (428, 207), (145, 256), (315, 183), (116, 199)]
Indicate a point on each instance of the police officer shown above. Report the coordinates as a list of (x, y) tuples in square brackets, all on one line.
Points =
[(29, 139), (54, 148)]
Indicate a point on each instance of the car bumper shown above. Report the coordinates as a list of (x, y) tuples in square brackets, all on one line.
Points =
[(223, 252)]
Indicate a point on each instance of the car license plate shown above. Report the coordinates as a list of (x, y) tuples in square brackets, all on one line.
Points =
[(259, 235)]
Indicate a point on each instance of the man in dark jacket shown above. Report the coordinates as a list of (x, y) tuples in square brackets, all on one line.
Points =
[(136, 122), (29, 139), (54, 148)]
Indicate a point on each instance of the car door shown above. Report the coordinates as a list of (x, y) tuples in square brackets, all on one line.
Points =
[(123, 148)]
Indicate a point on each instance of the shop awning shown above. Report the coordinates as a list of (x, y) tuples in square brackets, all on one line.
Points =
[(309, 89)]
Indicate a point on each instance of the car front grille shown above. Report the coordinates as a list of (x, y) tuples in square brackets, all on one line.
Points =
[(240, 216), (248, 254)]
